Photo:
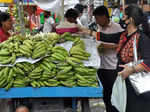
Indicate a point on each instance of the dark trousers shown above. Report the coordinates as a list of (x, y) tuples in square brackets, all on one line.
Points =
[(107, 78)]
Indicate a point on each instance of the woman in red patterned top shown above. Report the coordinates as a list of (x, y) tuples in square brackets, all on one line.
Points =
[(5, 25)]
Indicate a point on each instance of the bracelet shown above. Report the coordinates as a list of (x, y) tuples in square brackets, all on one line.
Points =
[(91, 32)]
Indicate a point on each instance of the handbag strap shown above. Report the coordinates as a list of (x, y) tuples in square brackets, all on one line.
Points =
[(135, 51)]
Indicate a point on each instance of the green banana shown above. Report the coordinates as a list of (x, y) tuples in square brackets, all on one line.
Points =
[(18, 70), (58, 56), (76, 60), (19, 85), (39, 54), (33, 84), (79, 77), (41, 83), (45, 68), (80, 57), (67, 69), (4, 52), (6, 61), (48, 65), (10, 84), (10, 75), (37, 69), (13, 58), (65, 83)]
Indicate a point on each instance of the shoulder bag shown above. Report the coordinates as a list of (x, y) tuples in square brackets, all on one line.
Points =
[(141, 80)]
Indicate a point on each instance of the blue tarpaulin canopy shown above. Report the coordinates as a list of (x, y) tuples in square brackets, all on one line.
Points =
[(30, 2), (25, 1)]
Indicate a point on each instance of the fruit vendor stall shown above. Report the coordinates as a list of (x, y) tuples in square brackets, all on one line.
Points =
[(49, 65)]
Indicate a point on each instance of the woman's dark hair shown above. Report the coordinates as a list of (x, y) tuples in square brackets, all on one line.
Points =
[(101, 11), (80, 7), (47, 14), (71, 13), (140, 19), (4, 17)]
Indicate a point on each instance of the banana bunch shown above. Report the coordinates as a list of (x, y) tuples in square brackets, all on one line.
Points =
[(19, 83), (7, 57), (26, 48), (37, 84), (36, 73), (67, 36), (69, 82), (80, 43), (4, 73), (86, 81), (47, 65), (74, 61), (39, 50), (59, 53), (65, 76), (65, 70), (85, 70), (78, 50), (47, 75), (25, 66), (52, 37), (49, 83), (86, 76)]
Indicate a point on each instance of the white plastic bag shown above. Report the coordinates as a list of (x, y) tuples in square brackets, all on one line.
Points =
[(119, 94)]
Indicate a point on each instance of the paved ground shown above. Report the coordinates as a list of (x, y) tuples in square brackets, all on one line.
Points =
[(96, 105)]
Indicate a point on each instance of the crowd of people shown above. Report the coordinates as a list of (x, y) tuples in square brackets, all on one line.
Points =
[(135, 25), (115, 48)]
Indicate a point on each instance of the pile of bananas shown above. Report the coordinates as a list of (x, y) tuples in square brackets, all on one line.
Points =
[(33, 46), (58, 67), (47, 74)]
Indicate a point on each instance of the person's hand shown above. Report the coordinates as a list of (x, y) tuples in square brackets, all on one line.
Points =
[(109, 46), (83, 30), (126, 71), (105, 47)]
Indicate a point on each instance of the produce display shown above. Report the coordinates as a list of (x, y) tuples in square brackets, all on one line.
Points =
[(57, 66)]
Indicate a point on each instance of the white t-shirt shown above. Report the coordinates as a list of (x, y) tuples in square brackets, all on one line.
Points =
[(79, 22), (48, 25), (109, 58)]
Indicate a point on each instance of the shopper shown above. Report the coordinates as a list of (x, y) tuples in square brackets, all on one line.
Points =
[(81, 20), (22, 109), (49, 23), (6, 24), (70, 22), (107, 72), (136, 25), (71, 15)]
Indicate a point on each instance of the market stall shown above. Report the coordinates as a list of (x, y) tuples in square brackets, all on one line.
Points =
[(19, 54), (49, 67)]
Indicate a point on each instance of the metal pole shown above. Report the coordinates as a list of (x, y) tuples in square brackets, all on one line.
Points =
[(62, 7), (20, 13)]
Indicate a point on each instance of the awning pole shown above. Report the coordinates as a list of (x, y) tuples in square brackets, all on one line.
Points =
[(62, 10), (20, 13)]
